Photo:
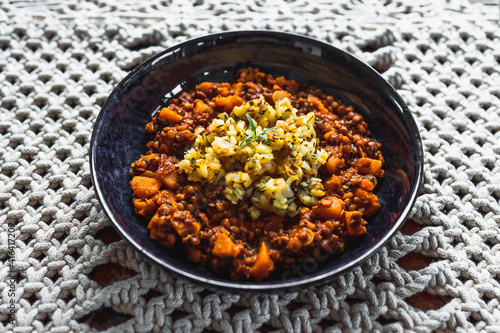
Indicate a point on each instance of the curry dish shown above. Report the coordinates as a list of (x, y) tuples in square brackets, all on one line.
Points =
[(256, 174)]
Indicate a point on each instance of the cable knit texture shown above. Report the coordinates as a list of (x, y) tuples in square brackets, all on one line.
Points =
[(60, 59)]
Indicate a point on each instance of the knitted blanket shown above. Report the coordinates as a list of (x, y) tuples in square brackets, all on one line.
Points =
[(59, 60)]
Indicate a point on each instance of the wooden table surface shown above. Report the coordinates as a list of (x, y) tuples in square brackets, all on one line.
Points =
[(109, 273)]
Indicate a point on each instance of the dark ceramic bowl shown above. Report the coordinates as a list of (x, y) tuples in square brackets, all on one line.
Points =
[(119, 138)]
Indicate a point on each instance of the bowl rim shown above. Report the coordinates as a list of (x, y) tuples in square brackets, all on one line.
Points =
[(241, 286)]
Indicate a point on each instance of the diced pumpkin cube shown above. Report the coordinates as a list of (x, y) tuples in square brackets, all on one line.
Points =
[(333, 164), (367, 202), (369, 166), (227, 104), (355, 224), (206, 87), (184, 224), (329, 208), (200, 107), (167, 172), (168, 179), (263, 265), (367, 185), (145, 187), (144, 206), (225, 247), (167, 114), (316, 103)]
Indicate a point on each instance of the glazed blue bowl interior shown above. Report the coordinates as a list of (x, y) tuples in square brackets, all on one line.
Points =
[(119, 138)]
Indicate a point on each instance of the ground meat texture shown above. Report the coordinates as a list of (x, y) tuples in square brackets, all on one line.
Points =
[(222, 235)]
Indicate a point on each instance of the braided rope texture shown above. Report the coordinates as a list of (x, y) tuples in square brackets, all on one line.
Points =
[(59, 61)]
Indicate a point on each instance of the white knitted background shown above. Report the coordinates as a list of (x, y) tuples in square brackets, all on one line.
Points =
[(60, 60)]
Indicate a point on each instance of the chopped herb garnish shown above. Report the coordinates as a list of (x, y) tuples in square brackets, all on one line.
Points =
[(252, 124), (248, 247), (254, 136)]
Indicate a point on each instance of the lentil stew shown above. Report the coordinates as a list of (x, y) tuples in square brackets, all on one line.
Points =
[(228, 235)]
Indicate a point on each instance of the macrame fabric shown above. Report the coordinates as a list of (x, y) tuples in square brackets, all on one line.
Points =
[(60, 59)]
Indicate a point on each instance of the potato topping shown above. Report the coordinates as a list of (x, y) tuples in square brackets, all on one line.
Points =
[(261, 152)]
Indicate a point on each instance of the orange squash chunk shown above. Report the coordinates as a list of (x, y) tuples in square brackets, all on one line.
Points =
[(228, 103), (144, 187), (329, 208), (167, 114), (354, 223), (263, 264), (205, 87), (144, 206), (369, 166), (225, 247)]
